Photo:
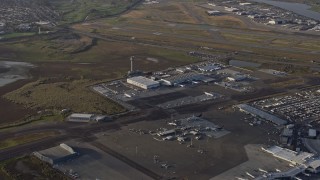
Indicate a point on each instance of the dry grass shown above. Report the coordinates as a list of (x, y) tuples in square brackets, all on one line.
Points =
[(288, 83), (23, 139), (74, 95)]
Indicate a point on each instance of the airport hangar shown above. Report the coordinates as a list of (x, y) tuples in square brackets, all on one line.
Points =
[(143, 82), (78, 117), (57, 154)]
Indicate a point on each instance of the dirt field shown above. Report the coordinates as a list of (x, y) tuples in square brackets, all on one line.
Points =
[(17, 112)]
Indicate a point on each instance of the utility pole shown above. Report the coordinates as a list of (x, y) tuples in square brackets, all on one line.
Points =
[(131, 60)]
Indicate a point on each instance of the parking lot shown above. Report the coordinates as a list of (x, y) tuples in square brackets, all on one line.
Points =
[(299, 107)]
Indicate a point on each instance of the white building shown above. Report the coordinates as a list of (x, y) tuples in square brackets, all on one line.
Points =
[(77, 117), (231, 9), (237, 78), (181, 78), (244, 4), (143, 82), (312, 133), (289, 155), (57, 154), (302, 160), (213, 13)]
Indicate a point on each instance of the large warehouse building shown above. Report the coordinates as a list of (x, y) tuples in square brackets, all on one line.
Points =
[(57, 154), (77, 117), (257, 112), (143, 82)]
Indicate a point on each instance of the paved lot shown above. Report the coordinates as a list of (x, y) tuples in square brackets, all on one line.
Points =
[(257, 159), (95, 164), (207, 158)]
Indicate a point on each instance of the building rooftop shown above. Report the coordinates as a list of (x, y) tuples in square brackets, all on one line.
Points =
[(78, 115), (289, 155), (143, 80), (315, 164), (262, 114), (185, 76), (57, 152)]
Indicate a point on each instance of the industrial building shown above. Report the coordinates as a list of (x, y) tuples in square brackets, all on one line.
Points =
[(256, 112), (77, 117), (181, 78), (289, 155), (57, 154), (303, 160), (143, 82)]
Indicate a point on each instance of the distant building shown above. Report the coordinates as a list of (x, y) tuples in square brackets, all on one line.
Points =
[(181, 70), (213, 13), (231, 9), (2, 25), (77, 117), (167, 133), (181, 78), (312, 133), (237, 77), (242, 13), (57, 154), (287, 132), (302, 161), (277, 21), (244, 4), (254, 16), (143, 82)]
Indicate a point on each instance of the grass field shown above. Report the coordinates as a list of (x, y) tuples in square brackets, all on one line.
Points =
[(14, 35), (23, 139), (73, 95), (28, 167)]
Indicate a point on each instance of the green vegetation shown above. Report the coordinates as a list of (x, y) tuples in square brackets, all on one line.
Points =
[(244, 38), (23, 139), (14, 35), (73, 95), (29, 167)]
